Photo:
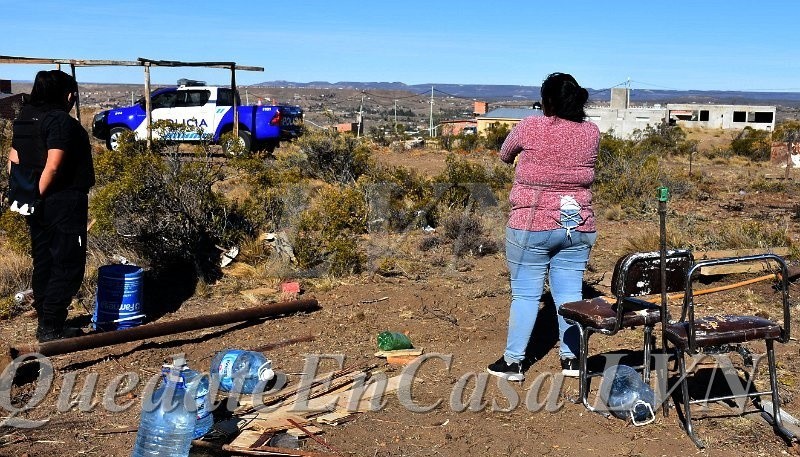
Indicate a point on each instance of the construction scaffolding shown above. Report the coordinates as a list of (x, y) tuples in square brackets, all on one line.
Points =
[(140, 62)]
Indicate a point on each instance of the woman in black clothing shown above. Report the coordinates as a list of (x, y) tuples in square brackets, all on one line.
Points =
[(51, 150)]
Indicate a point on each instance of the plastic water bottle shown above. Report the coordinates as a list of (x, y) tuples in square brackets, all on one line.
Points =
[(166, 430), (230, 365), (391, 341), (197, 385), (628, 397)]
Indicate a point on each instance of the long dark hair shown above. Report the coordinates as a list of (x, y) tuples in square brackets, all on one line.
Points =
[(563, 97), (52, 87)]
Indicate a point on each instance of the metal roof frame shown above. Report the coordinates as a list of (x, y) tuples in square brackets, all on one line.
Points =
[(140, 62)]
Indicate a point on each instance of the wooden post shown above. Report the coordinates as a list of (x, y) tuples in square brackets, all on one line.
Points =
[(791, 137), (148, 107), (77, 99), (235, 104)]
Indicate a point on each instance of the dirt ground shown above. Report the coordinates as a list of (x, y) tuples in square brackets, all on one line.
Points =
[(450, 306)]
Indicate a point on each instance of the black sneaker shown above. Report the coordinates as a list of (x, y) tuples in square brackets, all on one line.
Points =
[(512, 372), (570, 368), (45, 333)]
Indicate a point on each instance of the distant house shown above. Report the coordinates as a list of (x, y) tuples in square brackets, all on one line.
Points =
[(348, 127), (457, 127), (622, 119), (507, 116)]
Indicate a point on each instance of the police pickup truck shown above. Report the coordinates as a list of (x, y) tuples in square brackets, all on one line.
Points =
[(201, 113)]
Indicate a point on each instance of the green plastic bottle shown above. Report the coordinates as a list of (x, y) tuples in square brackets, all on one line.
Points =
[(391, 341)]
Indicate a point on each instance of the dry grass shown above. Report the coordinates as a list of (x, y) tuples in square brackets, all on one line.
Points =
[(15, 274)]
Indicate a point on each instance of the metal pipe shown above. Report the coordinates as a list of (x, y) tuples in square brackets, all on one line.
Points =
[(96, 340)]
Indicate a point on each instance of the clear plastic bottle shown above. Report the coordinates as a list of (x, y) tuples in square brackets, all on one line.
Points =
[(391, 341), (229, 365), (167, 425), (197, 384), (628, 397)]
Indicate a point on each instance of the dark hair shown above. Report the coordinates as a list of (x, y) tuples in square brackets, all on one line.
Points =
[(51, 87), (563, 97)]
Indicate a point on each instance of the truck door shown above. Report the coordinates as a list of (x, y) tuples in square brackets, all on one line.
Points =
[(193, 111), (223, 113), (162, 105)]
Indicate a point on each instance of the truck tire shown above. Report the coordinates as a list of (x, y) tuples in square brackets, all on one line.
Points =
[(229, 147), (112, 143)]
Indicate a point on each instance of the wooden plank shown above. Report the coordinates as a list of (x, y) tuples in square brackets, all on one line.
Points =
[(273, 451), (336, 417), (399, 353), (718, 254), (298, 433), (401, 359), (276, 422), (177, 63), (246, 438), (736, 268)]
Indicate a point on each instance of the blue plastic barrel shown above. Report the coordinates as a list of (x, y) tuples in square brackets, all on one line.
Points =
[(118, 303)]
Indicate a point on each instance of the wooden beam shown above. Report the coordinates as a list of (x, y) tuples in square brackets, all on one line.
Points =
[(77, 99), (75, 62), (235, 105), (148, 107), (177, 63)]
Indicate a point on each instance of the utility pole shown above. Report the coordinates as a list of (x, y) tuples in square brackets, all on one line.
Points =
[(395, 117), (430, 128), (360, 117)]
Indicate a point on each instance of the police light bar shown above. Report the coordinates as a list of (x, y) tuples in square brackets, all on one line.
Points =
[(190, 82)]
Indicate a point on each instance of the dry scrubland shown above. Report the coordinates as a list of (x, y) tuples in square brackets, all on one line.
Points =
[(355, 212)]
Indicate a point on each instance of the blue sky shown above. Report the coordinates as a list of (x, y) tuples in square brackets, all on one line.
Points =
[(705, 45)]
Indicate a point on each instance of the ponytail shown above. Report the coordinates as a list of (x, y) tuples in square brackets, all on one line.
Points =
[(563, 97)]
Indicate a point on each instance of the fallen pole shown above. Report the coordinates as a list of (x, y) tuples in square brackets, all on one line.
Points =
[(794, 273), (96, 340)]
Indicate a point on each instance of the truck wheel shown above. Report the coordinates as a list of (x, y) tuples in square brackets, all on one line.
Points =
[(230, 147), (112, 143)]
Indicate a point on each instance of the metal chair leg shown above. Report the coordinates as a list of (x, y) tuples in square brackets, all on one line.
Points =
[(687, 413), (583, 377), (777, 422), (648, 344)]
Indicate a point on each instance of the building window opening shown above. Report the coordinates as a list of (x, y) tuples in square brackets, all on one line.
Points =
[(739, 116), (762, 117), (703, 115)]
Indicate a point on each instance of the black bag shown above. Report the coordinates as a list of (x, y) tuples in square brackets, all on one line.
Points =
[(23, 188), (23, 182)]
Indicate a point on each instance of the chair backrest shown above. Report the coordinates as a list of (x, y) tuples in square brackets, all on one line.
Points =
[(782, 284), (639, 273)]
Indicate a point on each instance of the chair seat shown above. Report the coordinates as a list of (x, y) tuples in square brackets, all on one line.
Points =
[(600, 313), (718, 330)]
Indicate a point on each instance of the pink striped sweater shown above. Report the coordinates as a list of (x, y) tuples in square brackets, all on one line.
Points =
[(556, 160)]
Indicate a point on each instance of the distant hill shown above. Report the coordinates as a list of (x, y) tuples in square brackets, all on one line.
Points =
[(488, 92)]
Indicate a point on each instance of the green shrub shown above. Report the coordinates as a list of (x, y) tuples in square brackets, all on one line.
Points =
[(468, 142), (463, 181), (752, 144), (163, 208), (495, 135), (465, 230), (334, 157), (624, 174), (789, 127), (327, 231), (396, 196), (663, 139)]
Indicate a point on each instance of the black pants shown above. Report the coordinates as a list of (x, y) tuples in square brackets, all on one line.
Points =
[(58, 248)]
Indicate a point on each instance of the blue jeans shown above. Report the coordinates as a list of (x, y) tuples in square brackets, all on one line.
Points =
[(528, 255)]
